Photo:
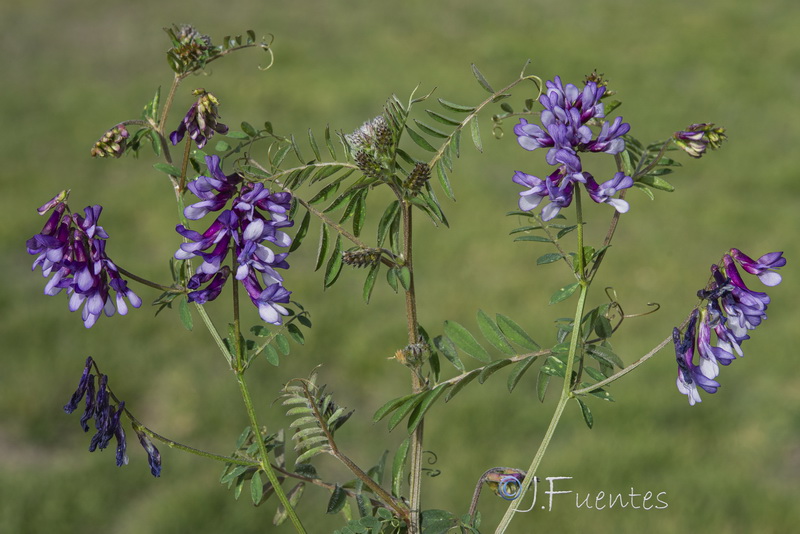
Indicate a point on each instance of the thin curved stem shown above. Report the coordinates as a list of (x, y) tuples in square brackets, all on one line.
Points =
[(566, 391)]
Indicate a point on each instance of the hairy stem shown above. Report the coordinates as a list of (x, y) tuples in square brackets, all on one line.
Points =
[(415, 483)]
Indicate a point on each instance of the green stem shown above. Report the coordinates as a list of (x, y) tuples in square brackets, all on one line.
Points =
[(214, 334), (566, 391), (415, 483), (265, 464)]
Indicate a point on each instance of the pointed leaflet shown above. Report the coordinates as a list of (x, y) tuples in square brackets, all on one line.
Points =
[(419, 140), (334, 266), (314, 147), (461, 337), (389, 216), (390, 406), (564, 293), (256, 488), (420, 410), (520, 369), (446, 347), (337, 500), (322, 249), (542, 380), (587, 414), (481, 79), (455, 107), (466, 379), (369, 281), (328, 141), (476, 133), (405, 409), (398, 466), (513, 332), (301, 232), (490, 369), (493, 334), (438, 117)]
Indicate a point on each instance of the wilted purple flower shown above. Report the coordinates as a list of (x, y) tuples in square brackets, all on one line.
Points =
[(106, 415), (107, 418), (565, 132), (71, 248), (153, 456), (731, 311), (254, 219), (201, 121)]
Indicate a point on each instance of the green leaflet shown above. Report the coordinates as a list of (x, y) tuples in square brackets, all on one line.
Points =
[(493, 334), (465, 341), (514, 333)]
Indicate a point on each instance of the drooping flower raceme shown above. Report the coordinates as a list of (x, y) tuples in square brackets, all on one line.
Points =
[(565, 132), (250, 227), (731, 311), (71, 250), (107, 417)]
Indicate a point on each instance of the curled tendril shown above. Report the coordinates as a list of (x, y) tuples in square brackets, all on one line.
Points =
[(509, 487), (267, 47), (503, 481), (432, 459)]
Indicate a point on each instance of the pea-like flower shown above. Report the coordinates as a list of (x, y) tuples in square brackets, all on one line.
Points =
[(71, 250), (201, 121), (690, 376), (731, 310), (565, 132), (250, 227)]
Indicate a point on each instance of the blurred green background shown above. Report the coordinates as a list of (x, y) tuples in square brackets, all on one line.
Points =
[(731, 464)]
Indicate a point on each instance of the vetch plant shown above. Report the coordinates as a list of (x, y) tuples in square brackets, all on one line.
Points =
[(250, 199)]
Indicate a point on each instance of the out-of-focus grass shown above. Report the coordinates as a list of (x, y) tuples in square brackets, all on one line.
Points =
[(730, 464)]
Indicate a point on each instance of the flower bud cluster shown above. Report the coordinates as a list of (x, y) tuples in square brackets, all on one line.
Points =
[(253, 220), (695, 139), (190, 49), (71, 250), (362, 257), (112, 143), (417, 178), (372, 144), (731, 310)]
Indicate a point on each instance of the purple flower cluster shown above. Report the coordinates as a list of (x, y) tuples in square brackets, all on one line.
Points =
[(731, 311), (106, 417), (72, 248), (243, 228), (565, 133)]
